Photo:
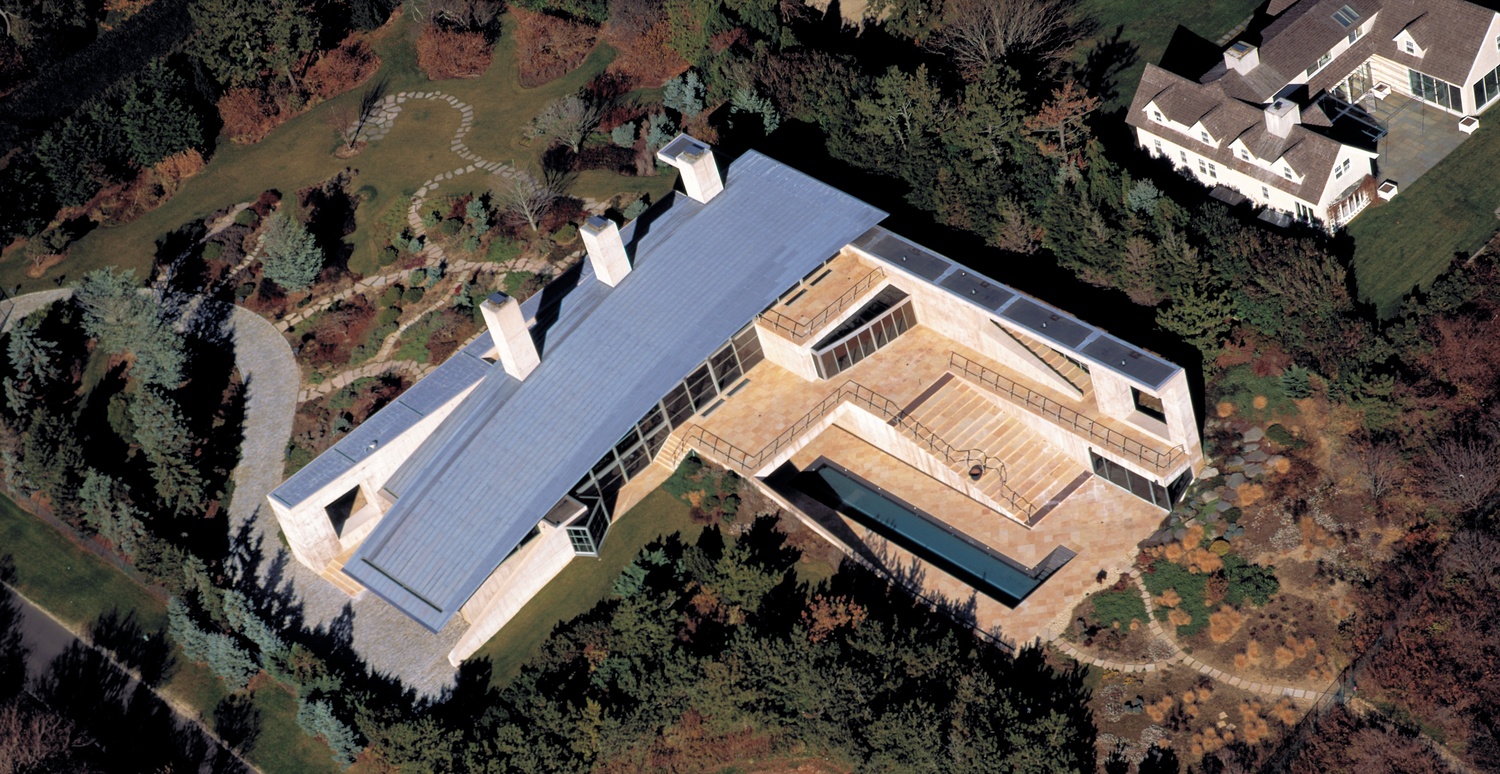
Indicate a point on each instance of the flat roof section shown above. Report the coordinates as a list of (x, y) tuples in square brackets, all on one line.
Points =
[(502, 461), (907, 255)]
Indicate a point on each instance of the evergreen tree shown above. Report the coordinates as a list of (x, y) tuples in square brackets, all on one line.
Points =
[(238, 42), (219, 651), (291, 257), (155, 118), (316, 718), (125, 320), (168, 445)]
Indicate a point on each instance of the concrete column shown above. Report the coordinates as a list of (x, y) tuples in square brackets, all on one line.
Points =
[(601, 239), (1112, 394), (512, 338)]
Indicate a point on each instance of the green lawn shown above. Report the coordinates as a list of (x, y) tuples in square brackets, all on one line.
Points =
[(1411, 239), (585, 581), (77, 587), (1149, 27), (300, 154)]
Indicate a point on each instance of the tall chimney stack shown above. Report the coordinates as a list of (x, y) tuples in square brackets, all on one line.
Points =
[(510, 335), (601, 239), (694, 159)]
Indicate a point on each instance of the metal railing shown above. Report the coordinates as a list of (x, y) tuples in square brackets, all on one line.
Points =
[(1163, 462), (883, 407), (800, 332)]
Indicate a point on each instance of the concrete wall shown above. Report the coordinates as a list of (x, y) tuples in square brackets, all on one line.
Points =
[(510, 587)]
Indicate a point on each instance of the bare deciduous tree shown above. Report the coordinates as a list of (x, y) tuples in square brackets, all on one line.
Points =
[(527, 195), (567, 120), (1379, 464), (1474, 554), (1464, 472), (344, 119), (36, 740), (979, 33)]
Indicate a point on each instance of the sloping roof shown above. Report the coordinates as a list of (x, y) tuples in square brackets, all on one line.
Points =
[(447, 381), (512, 450), (1451, 32), (1182, 100)]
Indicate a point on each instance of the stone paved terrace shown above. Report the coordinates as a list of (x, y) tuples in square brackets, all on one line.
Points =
[(775, 398), (1418, 136), (829, 288), (1099, 521)]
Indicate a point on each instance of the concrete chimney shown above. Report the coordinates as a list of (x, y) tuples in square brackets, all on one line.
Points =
[(1281, 116), (1242, 57), (695, 161), (601, 238), (511, 337)]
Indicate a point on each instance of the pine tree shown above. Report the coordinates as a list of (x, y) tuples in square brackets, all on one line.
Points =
[(291, 258), (316, 718), (168, 445), (157, 122)]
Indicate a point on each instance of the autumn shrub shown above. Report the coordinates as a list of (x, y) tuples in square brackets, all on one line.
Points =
[(444, 54), (248, 115), (548, 47), (644, 57), (341, 69)]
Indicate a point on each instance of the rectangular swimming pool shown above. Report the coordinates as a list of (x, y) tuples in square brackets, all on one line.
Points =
[(989, 571)]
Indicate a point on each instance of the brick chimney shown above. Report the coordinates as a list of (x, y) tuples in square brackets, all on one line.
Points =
[(510, 335), (601, 238), (695, 160)]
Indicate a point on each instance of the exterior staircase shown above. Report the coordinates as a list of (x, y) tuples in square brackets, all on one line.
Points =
[(967, 419), (334, 573), (1071, 372)]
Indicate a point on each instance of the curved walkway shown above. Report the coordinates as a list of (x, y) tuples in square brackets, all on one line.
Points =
[(1179, 657)]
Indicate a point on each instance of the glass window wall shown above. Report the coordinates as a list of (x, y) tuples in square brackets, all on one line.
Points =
[(1135, 483), (841, 355), (1436, 91)]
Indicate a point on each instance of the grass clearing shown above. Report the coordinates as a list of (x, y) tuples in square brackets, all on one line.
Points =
[(77, 587), (1410, 240), (300, 153), (1149, 27), (584, 582)]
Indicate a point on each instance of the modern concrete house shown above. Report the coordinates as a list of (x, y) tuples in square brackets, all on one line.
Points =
[(911, 411), (1328, 103)]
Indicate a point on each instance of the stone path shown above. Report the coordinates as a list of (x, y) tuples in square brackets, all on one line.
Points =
[(1180, 658)]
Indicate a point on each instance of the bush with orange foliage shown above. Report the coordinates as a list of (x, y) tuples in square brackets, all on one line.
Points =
[(341, 69), (248, 115), (148, 190), (443, 54), (645, 56), (549, 47), (1223, 624)]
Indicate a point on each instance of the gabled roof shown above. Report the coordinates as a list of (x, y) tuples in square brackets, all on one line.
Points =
[(1450, 32), (1182, 100), (513, 449)]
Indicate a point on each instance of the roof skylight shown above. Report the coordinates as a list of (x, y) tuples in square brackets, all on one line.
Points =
[(1345, 16)]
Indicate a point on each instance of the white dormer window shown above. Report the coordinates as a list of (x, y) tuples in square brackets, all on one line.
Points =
[(1353, 36), (1157, 115), (1338, 172), (1244, 154), (1286, 172), (1411, 48), (1206, 138), (1346, 165)]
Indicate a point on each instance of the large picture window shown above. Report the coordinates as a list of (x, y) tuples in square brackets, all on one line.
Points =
[(845, 347), (1486, 88), (1436, 91)]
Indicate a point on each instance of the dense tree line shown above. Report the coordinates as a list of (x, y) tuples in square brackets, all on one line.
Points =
[(715, 648)]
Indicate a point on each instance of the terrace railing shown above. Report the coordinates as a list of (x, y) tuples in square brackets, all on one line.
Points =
[(749, 463), (801, 331), (1163, 461)]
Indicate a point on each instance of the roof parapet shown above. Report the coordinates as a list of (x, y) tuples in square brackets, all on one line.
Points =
[(508, 331), (694, 159), (606, 249)]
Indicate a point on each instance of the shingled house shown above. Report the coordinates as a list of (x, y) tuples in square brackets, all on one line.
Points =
[(1293, 116), (905, 407)]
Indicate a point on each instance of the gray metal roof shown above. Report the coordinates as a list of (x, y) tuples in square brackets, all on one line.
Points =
[(1045, 321), (455, 375), (489, 475)]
